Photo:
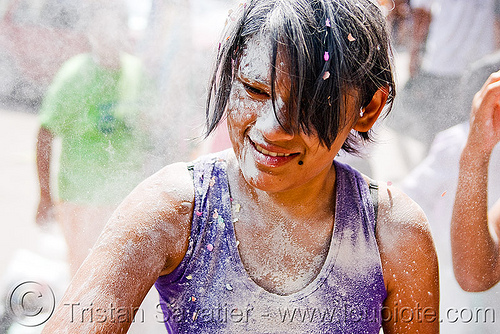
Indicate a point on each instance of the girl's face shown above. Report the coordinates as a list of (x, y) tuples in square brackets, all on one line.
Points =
[(270, 158)]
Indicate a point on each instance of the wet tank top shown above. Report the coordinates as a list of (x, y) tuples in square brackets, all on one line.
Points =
[(211, 292)]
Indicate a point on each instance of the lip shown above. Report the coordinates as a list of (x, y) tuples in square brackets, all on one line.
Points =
[(271, 156)]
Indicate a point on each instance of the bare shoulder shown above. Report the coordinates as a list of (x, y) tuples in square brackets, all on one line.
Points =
[(157, 213), (409, 261), (170, 189), (407, 250), (401, 222)]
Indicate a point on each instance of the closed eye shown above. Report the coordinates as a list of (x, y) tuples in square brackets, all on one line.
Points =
[(255, 91)]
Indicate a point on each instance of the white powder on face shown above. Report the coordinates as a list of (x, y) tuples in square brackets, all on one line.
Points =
[(246, 113), (248, 168)]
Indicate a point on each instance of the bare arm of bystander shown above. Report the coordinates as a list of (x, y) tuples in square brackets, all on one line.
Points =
[(44, 212), (474, 233), (421, 21)]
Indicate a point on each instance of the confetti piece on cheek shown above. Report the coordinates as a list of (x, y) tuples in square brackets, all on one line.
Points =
[(326, 56), (326, 75), (327, 23), (350, 38), (210, 247), (443, 194)]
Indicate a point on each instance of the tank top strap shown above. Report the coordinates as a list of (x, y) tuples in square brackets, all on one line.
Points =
[(361, 196), (206, 171)]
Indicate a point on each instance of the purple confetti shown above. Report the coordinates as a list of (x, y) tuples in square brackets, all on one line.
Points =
[(326, 56)]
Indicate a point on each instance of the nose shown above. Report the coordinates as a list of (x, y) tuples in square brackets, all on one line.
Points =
[(269, 126)]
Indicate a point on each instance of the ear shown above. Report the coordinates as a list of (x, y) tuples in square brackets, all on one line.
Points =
[(372, 111)]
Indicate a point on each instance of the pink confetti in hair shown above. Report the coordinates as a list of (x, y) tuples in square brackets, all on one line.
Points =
[(327, 23), (326, 56), (326, 75), (351, 38)]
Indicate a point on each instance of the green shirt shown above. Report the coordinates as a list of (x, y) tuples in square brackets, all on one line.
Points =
[(95, 111)]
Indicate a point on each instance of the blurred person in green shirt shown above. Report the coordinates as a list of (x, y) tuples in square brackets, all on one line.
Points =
[(93, 105)]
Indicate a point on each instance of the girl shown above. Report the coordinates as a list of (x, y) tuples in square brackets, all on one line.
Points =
[(274, 236)]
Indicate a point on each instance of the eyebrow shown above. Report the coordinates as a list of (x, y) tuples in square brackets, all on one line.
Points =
[(254, 77), (254, 82)]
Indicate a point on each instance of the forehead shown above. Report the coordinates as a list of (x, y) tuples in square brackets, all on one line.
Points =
[(255, 61)]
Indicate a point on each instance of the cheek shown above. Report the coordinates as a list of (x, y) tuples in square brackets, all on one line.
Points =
[(241, 111)]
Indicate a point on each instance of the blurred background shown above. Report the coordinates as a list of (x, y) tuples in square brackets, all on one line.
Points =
[(176, 41)]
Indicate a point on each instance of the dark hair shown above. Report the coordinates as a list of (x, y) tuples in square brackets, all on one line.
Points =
[(347, 38)]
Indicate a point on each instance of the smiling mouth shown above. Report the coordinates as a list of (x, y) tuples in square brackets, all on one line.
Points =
[(272, 154)]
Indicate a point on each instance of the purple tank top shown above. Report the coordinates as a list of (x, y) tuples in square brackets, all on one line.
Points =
[(211, 292)]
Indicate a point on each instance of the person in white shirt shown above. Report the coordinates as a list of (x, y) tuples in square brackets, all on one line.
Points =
[(433, 184)]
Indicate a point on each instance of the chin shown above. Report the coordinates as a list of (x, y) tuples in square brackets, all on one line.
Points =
[(265, 181)]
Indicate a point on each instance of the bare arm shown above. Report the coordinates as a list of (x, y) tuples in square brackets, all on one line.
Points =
[(409, 264), (421, 22), (146, 237), (43, 156), (474, 237)]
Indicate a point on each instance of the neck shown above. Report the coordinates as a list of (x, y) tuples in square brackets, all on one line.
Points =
[(110, 62), (310, 201)]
